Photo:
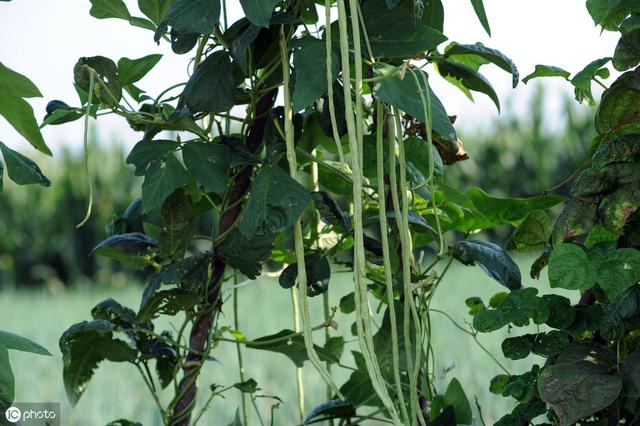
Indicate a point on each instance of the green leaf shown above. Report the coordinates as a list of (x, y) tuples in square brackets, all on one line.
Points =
[(617, 209), (1, 175), (620, 106), (209, 164), (516, 347), (570, 268), (310, 64), (290, 344), (103, 9), (623, 308), (491, 258), (417, 151), (107, 71), (455, 397), (576, 391), (134, 250), (469, 78), (248, 386), (22, 170), (318, 274), (334, 409), (211, 88), (490, 320), (259, 12), (582, 80), (561, 313), (610, 13), (7, 380), (178, 224), (146, 152), (161, 180), (83, 347), (619, 271), (395, 33), (478, 7), (156, 10), (112, 311), (276, 203), (330, 211), (191, 16), (246, 254), (19, 343), (133, 70), (401, 93), (167, 302), (533, 233), (357, 388), (546, 71), (20, 116), (599, 234), (522, 387), (492, 55), (627, 53), (16, 85), (577, 219)]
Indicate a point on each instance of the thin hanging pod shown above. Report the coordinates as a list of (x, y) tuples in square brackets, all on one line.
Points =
[(330, 97), (86, 149), (384, 232), (297, 227), (363, 320)]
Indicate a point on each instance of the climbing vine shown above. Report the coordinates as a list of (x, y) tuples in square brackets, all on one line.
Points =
[(282, 94)]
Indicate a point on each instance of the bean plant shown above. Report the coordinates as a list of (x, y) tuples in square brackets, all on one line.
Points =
[(309, 134)]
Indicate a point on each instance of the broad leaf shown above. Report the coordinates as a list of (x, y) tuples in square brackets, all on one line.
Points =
[(276, 202), (191, 16), (330, 211), (402, 93), (133, 70), (570, 268), (469, 78), (246, 254), (620, 106), (156, 10), (610, 13), (491, 258), (546, 71), (619, 271), (288, 343), (577, 219), (209, 164), (134, 250), (259, 12), (7, 380), (582, 80), (318, 274), (456, 398), (19, 343), (161, 180), (83, 347), (20, 116), (334, 409), (310, 64), (167, 302), (178, 224), (395, 33), (623, 308), (492, 55), (103, 9), (16, 85), (211, 88), (147, 151), (627, 51), (533, 233), (107, 71), (22, 170)]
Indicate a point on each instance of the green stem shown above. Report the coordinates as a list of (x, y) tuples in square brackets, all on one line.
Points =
[(236, 325), (86, 147), (330, 79)]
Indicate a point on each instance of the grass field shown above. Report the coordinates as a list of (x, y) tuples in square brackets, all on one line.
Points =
[(117, 391)]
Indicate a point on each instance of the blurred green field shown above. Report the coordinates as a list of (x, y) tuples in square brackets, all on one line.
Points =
[(118, 392)]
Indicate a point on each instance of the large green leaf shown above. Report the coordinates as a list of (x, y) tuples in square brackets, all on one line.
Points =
[(107, 71), (134, 250), (16, 84), (619, 271), (533, 233), (18, 343), (290, 344), (276, 202), (103, 9), (209, 164), (133, 70), (620, 106), (627, 54), (19, 114), (7, 381), (191, 16), (318, 274), (22, 170), (577, 218), (570, 268), (156, 10), (491, 258), (161, 180), (610, 13), (395, 33), (455, 397), (492, 55), (246, 254), (582, 81), (259, 12), (576, 391), (178, 224), (211, 88), (147, 151), (617, 210), (403, 93), (310, 64), (167, 302), (623, 308), (469, 78), (83, 347)]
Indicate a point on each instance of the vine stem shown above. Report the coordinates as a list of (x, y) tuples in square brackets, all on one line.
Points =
[(299, 379), (236, 325), (297, 227)]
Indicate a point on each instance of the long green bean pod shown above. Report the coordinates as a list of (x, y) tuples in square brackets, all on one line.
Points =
[(330, 96)]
